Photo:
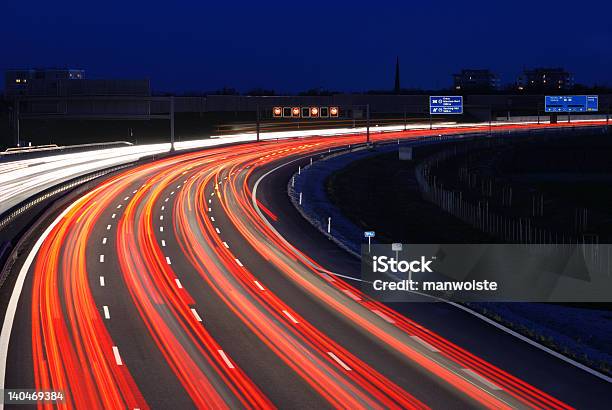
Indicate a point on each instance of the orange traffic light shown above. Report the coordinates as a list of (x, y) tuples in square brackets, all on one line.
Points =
[(334, 111), (295, 112), (277, 112), (314, 111)]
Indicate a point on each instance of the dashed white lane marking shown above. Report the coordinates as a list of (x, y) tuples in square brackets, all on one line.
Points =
[(352, 295), (113, 216), (108, 227), (217, 229), (101, 258), (209, 210), (126, 198), (161, 217), (161, 228), (226, 245), (117, 356), (106, 312), (178, 283), (210, 201), (481, 379), (118, 206), (381, 314), (134, 191), (225, 359), (163, 242), (195, 314), (424, 343), (168, 260), (340, 362), (166, 200), (163, 207), (212, 218), (102, 282), (259, 285), (290, 316), (238, 262), (178, 187), (104, 241), (172, 193), (212, 193)]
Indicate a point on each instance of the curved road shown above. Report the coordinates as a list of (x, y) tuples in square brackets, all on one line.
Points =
[(168, 286)]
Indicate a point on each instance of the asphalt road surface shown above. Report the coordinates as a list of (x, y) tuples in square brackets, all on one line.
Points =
[(170, 286)]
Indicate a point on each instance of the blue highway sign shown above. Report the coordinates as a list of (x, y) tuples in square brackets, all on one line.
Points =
[(571, 103), (369, 234), (446, 104)]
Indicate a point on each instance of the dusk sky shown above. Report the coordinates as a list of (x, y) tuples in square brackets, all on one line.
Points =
[(195, 46)]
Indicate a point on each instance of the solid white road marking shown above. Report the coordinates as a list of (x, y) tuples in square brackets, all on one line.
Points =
[(259, 286), (290, 316), (117, 356), (178, 283), (481, 379), (225, 359), (106, 312), (340, 362), (102, 282), (424, 343), (195, 314)]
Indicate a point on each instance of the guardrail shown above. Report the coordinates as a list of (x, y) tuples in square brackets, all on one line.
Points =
[(17, 153)]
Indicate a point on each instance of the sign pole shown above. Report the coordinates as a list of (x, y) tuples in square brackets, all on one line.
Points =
[(368, 124), (257, 123), (172, 123)]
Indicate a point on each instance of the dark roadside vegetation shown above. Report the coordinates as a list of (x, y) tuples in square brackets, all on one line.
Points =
[(554, 182)]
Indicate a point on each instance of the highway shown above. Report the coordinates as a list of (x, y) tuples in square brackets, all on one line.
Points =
[(169, 286), (22, 179)]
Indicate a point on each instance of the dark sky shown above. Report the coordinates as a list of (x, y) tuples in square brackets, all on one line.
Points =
[(295, 45)]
